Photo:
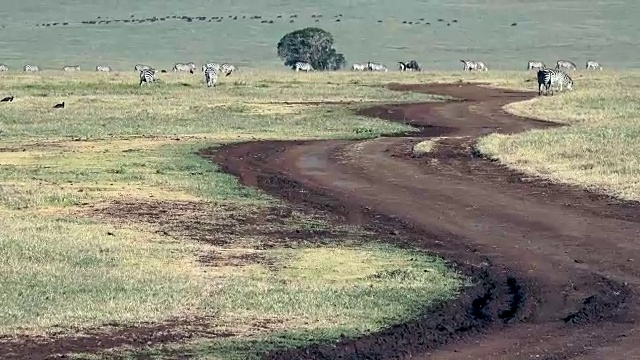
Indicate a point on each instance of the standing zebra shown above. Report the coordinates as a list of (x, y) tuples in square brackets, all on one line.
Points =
[(535, 64), (549, 77), (565, 64), (410, 66), (31, 68), (358, 67), (470, 65), (4, 67), (147, 76), (71, 68), (140, 67), (376, 67), (184, 67), (593, 65), (211, 76), (304, 66), (227, 69), (103, 68)]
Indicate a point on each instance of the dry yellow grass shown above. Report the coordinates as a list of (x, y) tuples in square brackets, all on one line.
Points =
[(599, 148)]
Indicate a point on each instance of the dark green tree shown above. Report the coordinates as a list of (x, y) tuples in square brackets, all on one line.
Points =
[(312, 45)]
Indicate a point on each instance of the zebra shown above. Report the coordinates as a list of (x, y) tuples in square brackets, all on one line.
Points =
[(211, 76), (147, 76), (549, 77), (227, 69), (410, 66), (304, 66), (593, 65), (211, 65), (358, 67), (31, 68), (191, 67), (71, 68), (376, 67), (140, 67), (103, 68), (470, 65), (535, 64), (4, 67), (565, 64)]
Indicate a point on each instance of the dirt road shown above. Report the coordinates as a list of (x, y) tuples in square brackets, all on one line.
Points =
[(556, 267)]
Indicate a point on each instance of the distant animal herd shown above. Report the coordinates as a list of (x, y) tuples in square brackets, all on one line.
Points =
[(547, 77)]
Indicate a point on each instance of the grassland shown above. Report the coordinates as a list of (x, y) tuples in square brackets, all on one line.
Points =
[(109, 217), (599, 150)]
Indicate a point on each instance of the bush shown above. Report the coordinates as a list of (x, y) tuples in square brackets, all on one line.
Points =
[(312, 45)]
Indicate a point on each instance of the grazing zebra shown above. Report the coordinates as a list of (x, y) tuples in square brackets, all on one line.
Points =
[(304, 66), (565, 64), (140, 67), (71, 68), (376, 67), (31, 68), (103, 68), (211, 65), (593, 65), (358, 67), (4, 67), (227, 69), (549, 77), (147, 76), (470, 65), (535, 64), (410, 66), (211, 76), (184, 67)]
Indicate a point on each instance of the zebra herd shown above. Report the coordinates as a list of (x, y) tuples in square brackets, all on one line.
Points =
[(563, 64), (547, 77), (210, 70)]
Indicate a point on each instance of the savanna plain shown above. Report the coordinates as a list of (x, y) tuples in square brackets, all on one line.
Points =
[(111, 220)]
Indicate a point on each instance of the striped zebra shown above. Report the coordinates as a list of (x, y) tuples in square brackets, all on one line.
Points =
[(211, 65), (566, 64), (31, 68), (227, 69), (103, 68), (358, 67), (376, 67), (184, 67), (302, 66), (71, 68), (470, 65), (147, 76), (410, 66), (140, 67), (593, 65), (4, 67), (535, 64), (211, 76), (550, 77)]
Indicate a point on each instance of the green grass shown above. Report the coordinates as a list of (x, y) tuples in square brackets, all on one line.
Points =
[(74, 260), (320, 293), (599, 148)]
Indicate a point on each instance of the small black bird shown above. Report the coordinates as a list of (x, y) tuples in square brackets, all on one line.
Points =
[(7, 99), (59, 106)]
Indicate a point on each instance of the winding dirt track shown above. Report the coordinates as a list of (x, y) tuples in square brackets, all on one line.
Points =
[(556, 268)]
